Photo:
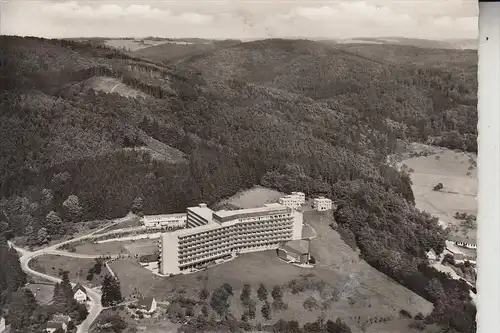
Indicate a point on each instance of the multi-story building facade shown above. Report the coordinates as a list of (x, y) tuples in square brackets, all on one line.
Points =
[(321, 204), (294, 200), (211, 236), (174, 221)]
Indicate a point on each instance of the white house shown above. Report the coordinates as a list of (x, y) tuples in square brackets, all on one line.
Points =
[(79, 293), (322, 204), (432, 256), (147, 305), (2, 324)]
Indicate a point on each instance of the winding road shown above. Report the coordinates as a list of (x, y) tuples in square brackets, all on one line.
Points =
[(94, 295)]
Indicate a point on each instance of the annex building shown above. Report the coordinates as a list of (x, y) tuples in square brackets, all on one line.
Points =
[(212, 236), (294, 200), (169, 221), (322, 204)]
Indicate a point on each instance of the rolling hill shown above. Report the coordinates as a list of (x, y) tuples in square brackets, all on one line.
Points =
[(288, 114)]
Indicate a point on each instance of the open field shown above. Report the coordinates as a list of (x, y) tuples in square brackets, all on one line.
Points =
[(132, 45), (43, 292), (361, 290), (78, 268), (254, 197), (458, 174)]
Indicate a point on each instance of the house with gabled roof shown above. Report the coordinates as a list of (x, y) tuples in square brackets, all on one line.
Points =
[(147, 305), (79, 293), (432, 256)]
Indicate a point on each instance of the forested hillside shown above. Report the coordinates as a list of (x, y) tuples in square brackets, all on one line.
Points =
[(286, 114)]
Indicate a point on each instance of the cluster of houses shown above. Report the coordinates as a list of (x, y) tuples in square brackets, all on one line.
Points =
[(461, 248)]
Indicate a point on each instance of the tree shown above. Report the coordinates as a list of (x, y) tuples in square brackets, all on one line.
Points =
[(227, 287), (54, 223), (72, 208), (219, 301), (42, 236), (310, 303), (245, 294), (111, 292), (266, 310), (337, 326), (204, 293), (204, 310), (438, 187), (435, 289), (21, 308), (137, 205), (277, 293), (262, 292), (252, 309)]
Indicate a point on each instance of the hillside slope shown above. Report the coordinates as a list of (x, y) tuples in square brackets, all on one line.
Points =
[(426, 94)]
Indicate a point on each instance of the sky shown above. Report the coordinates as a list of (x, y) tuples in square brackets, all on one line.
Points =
[(427, 19)]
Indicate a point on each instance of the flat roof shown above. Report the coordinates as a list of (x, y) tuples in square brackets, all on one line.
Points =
[(202, 211), (164, 216), (227, 215)]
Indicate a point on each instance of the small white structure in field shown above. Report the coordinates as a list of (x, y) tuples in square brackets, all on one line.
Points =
[(322, 204), (2, 324), (79, 293), (174, 221), (147, 305), (432, 256), (294, 200)]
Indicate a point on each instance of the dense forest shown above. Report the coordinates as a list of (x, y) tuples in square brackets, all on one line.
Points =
[(282, 113)]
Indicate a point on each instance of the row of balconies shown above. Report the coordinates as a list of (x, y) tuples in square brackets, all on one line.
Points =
[(228, 232), (208, 255), (232, 244), (204, 242)]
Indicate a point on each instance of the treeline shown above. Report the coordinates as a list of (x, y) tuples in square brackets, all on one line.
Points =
[(393, 237)]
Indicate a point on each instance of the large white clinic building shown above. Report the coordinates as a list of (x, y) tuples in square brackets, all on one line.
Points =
[(210, 236), (294, 200), (322, 204), (168, 221)]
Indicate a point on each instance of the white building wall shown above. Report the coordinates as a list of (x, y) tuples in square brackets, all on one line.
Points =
[(294, 200), (171, 220), (212, 241), (80, 296), (298, 222), (169, 260), (2, 324)]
